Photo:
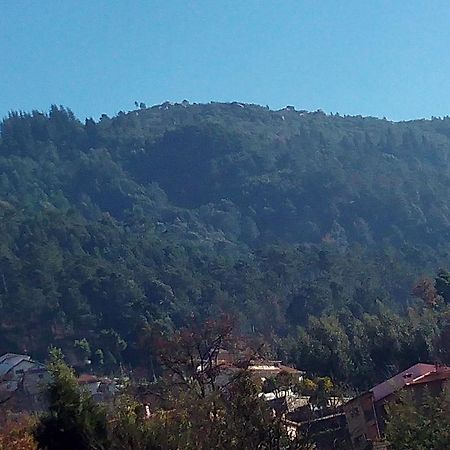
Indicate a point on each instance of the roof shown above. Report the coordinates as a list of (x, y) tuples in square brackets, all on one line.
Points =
[(274, 367), (10, 360), (443, 373), (87, 378), (39, 368), (290, 369), (409, 376), (12, 355), (227, 359)]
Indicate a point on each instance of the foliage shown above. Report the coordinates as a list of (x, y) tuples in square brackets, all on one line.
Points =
[(204, 405), (17, 434), (73, 420), (225, 416), (419, 424), (130, 429), (309, 229)]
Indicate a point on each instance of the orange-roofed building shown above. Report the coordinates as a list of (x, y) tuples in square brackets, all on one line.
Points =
[(366, 413)]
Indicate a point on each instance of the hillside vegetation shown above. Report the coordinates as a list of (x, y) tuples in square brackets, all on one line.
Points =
[(310, 229)]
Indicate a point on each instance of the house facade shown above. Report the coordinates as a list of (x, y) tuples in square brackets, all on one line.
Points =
[(23, 382), (366, 414)]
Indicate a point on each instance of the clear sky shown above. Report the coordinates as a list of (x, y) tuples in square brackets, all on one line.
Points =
[(370, 57)]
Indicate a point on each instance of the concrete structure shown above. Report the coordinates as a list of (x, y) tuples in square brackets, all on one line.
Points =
[(366, 414)]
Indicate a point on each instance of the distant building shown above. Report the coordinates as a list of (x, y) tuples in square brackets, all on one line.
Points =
[(328, 431), (260, 369), (265, 369), (226, 365), (13, 366), (101, 389), (35, 381), (366, 414), (23, 382)]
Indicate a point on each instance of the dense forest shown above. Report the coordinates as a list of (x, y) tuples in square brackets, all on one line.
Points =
[(327, 236)]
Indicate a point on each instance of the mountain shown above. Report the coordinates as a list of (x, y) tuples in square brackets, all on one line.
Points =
[(310, 229)]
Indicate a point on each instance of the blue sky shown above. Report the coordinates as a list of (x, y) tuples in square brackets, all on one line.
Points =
[(369, 57)]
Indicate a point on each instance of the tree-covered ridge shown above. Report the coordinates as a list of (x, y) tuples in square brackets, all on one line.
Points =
[(310, 228)]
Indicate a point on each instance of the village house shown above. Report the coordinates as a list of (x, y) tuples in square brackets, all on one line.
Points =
[(326, 428), (13, 366), (262, 370), (23, 382), (259, 369), (299, 415), (101, 389), (325, 424), (366, 413)]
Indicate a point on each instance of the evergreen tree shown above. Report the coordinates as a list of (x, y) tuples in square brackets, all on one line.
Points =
[(73, 421)]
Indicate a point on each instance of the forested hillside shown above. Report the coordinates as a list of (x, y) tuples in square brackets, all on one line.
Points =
[(310, 229)]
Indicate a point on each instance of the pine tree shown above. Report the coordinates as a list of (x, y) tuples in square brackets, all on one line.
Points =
[(73, 421)]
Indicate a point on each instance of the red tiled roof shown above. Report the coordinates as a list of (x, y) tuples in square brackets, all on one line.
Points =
[(407, 377), (87, 378)]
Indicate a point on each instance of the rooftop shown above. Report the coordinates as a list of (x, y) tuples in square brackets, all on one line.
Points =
[(10, 360), (413, 375), (9, 356)]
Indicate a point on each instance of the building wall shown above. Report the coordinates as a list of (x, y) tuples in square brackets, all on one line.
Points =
[(362, 421), (366, 419), (35, 381)]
